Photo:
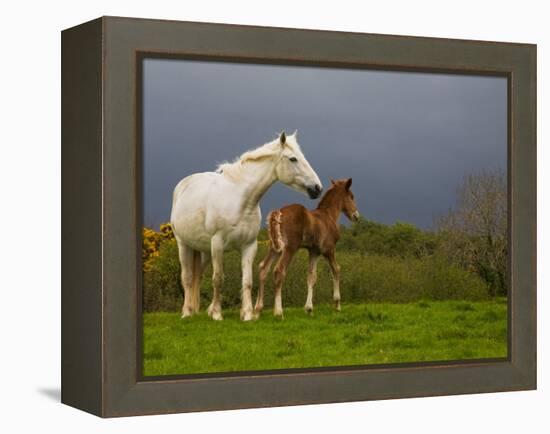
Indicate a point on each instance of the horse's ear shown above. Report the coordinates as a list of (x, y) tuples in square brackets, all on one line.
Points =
[(295, 134), (282, 138), (348, 184), (332, 181)]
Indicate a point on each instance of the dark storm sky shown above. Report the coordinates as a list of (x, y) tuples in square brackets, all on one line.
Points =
[(407, 139)]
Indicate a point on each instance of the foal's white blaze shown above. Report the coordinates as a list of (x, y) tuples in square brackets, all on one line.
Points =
[(216, 211)]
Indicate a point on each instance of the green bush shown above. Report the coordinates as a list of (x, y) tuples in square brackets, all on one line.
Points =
[(400, 239), (364, 278)]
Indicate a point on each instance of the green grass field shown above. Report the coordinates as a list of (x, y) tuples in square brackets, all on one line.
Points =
[(360, 334)]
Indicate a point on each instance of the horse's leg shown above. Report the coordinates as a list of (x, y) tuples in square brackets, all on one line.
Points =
[(265, 267), (215, 308), (311, 279), (247, 261), (278, 277), (186, 262), (335, 271)]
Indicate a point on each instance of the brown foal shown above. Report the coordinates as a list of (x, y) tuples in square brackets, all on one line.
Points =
[(293, 227)]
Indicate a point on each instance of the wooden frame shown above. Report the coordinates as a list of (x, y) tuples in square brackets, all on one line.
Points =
[(101, 194)]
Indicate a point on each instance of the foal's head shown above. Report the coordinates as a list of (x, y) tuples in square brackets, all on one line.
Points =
[(340, 194)]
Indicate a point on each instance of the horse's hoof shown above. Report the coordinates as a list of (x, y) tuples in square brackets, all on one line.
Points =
[(247, 315), (214, 313), (309, 310), (210, 311), (216, 316), (278, 315), (186, 314), (338, 308)]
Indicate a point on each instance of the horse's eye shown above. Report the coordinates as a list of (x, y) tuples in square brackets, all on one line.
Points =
[(293, 159)]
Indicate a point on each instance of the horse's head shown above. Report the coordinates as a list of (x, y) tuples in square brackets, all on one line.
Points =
[(294, 170), (349, 208)]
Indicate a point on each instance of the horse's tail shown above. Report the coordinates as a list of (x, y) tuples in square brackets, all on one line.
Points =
[(274, 220), (196, 280)]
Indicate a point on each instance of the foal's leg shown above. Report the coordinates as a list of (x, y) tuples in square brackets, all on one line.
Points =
[(215, 308), (265, 267), (247, 262), (311, 279), (186, 262), (278, 277), (335, 270)]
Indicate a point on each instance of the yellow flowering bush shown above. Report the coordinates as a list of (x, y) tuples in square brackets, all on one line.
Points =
[(152, 241)]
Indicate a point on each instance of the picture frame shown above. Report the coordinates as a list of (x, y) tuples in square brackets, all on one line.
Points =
[(101, 221)]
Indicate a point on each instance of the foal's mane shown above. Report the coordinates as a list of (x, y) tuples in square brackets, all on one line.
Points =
[(327, 201), (268, 150)]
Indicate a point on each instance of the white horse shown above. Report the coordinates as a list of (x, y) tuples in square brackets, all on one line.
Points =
[(216, 211)]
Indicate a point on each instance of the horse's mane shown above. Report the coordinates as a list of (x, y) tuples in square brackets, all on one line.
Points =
[(267, 150)]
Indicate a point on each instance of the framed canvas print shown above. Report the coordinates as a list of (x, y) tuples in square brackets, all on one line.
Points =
[(260, 216)]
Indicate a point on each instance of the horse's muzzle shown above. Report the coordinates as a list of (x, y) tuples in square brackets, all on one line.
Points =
[(315, 191)]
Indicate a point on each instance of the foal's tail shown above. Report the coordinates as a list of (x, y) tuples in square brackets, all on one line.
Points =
[(196, 280), (274, 219)]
